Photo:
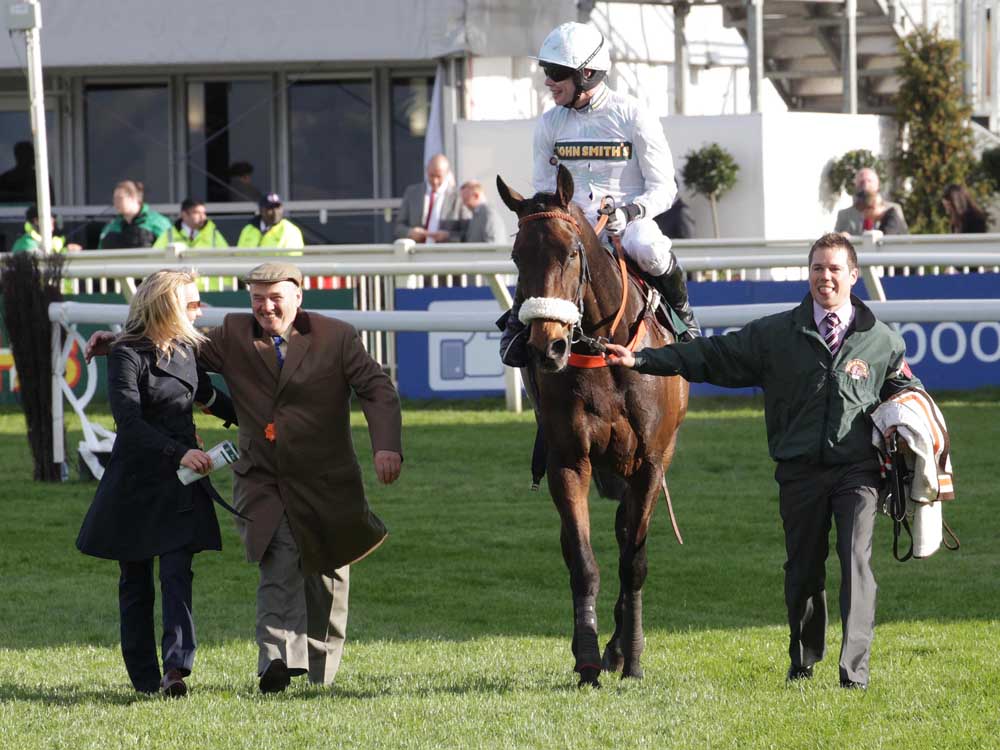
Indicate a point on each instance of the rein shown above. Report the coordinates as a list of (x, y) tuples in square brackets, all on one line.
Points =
[(592, 361)]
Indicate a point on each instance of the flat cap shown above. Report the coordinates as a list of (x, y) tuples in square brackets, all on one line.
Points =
[(273, 272)]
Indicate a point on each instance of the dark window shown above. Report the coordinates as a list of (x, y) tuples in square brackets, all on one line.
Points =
[(411, 107), (229, 140), (127, 138), (330, 134)]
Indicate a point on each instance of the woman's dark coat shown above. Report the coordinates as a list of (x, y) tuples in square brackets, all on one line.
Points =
[(141, 509)]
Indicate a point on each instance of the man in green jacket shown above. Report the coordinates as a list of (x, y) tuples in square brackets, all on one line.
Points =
[(269, 228), (823, 367), (193, 228), (32, 237)]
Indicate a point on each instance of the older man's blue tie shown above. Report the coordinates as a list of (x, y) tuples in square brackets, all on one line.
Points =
[(278, 340)]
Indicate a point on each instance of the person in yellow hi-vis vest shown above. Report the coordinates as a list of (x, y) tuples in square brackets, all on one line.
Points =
[(269, 228), (31, 241), (32, 238), (193, 229)]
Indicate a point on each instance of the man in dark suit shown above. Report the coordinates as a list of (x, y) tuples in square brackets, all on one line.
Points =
[(485, 224), (431, 211)]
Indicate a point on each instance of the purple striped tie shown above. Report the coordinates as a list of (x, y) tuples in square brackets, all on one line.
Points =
[(832, 327)]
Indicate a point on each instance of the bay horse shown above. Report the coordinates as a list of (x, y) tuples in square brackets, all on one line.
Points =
[(609, 423)]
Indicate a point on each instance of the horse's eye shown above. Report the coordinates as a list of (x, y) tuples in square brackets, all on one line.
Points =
[(513, 257)]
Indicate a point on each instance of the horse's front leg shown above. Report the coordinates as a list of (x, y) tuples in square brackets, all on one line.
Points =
[(632, 563), (613, 659), (569, 487)]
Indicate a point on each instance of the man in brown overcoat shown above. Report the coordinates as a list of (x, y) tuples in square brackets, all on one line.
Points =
[(291, 375)]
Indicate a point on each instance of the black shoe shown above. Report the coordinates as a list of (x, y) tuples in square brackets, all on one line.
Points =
[(852, 685), (275, 678), (799, 673), (514, 339), (673, 288)]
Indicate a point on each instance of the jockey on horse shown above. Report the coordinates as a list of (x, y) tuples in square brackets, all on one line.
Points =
[(614, 148)]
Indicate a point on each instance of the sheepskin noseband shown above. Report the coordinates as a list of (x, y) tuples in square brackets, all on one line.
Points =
[(549, 308)]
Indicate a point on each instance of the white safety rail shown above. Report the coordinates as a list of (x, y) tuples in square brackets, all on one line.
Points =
[(65, 316), (473, 264)]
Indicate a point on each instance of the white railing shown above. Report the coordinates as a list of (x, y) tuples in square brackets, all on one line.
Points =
[(479, 264), (65, 317)]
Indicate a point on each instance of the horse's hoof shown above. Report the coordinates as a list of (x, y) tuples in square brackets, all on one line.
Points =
[(632, 672), (588, 678), (613, 660)]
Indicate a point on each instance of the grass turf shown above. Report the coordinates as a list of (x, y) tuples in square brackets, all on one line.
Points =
[(459, 631)]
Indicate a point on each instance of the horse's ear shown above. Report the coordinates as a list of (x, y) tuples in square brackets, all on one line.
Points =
[(564, 186), (511, 198)]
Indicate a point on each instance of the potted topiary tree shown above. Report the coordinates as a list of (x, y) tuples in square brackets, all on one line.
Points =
[(710, 171)]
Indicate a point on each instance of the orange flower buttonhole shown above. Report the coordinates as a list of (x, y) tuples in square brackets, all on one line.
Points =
[(269, 432)]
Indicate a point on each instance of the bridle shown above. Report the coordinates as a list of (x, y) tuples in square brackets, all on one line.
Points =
[(578, 335), (584, 280)]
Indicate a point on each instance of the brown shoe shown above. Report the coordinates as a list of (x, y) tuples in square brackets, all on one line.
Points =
[(172, 685), (275, 678)]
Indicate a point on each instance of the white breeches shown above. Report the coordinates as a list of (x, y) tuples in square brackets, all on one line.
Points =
[(644, 243)]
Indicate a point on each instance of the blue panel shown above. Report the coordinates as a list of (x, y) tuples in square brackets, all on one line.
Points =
[(944, 355)]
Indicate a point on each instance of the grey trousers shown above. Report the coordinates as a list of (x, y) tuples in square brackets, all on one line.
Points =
[(301, 620), (811, 498)]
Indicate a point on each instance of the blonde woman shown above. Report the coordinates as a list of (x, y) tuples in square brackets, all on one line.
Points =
[(141, 510)]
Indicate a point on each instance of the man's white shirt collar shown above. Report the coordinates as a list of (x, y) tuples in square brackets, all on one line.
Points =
[(845, 313)]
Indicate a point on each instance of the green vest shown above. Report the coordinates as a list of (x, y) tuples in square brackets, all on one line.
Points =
[(208, 236), (283, 235), (32, 240)]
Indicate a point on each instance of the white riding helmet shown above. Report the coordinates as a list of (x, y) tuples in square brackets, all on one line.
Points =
[(576, 46)]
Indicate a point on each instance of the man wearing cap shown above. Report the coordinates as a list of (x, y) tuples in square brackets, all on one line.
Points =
[(614, 148), (431, 211), (291, 375), (269, 228)]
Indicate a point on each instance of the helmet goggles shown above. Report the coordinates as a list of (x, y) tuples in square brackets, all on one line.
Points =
[(557, 73)]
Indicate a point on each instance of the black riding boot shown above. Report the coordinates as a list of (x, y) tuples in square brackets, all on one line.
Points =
[(514, 337), (673, 287)]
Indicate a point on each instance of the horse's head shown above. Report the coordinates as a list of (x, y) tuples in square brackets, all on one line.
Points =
[(552, 267)]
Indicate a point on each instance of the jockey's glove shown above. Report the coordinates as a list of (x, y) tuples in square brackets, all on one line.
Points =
[(618, 220)]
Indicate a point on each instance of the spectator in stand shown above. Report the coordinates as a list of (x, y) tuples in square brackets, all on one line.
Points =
[(431, 211), (193, 228), (32, 237), (241, 187), (965, 214), (137, 225), (485, 224), (870, 210), (269, 228), (17, 185)]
